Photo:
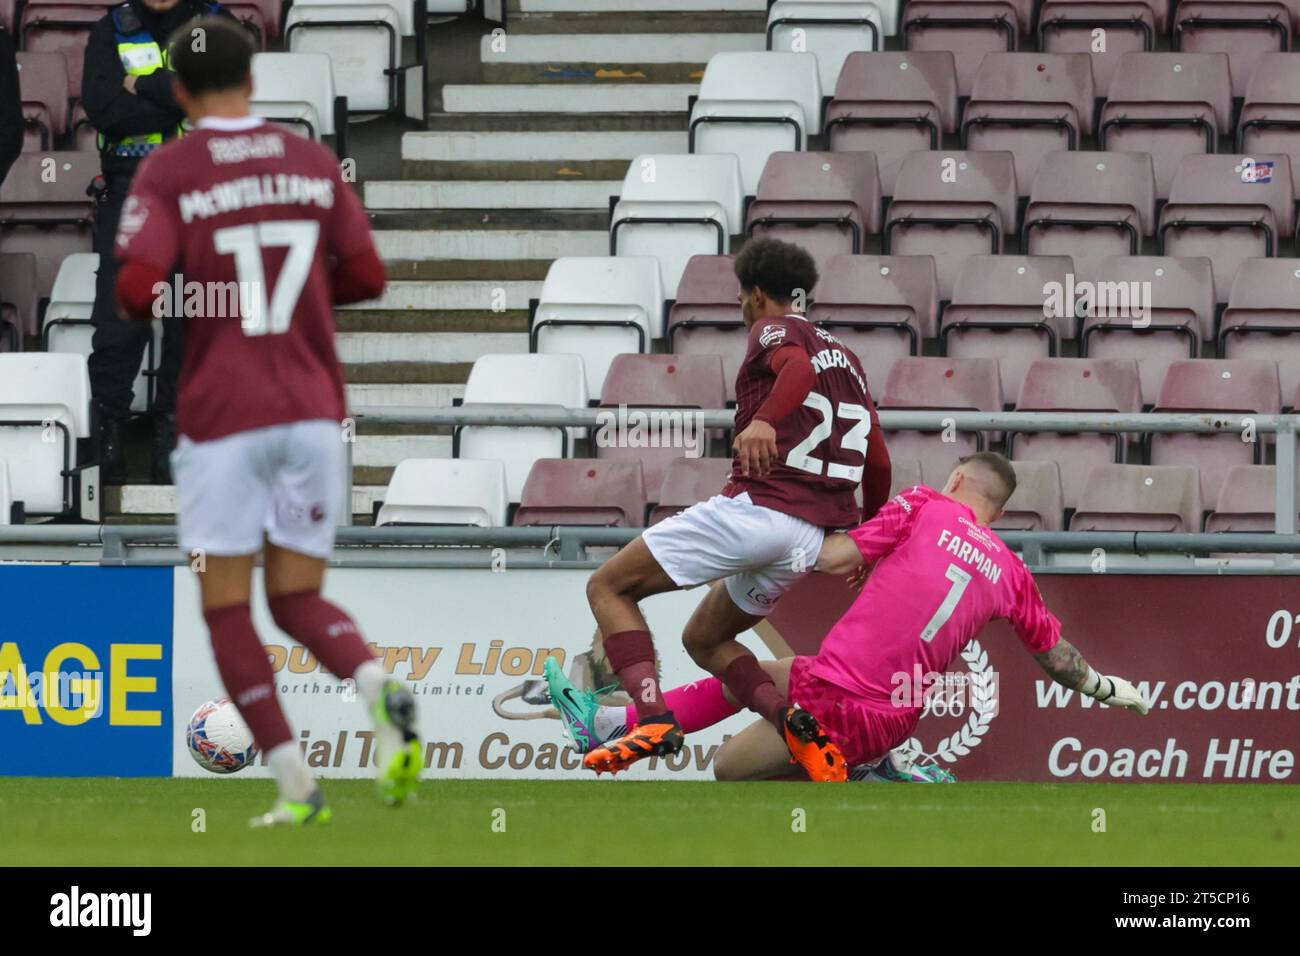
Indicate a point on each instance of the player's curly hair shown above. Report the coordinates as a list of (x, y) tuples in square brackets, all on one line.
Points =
[(782, 270), (211, 54), (997, 468)]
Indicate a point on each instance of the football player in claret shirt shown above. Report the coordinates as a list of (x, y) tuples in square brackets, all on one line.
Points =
[(261, 221), (806, 438)]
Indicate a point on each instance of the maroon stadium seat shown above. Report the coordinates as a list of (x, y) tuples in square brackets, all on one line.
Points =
[(969, 28), (1246, 30), (1139, 498), (1090, 206), (18, 299), (1131, 26), (663, 381), (261, 17), (829, 203), (1075, 385), (952, 205), (905, 473), (893, 103), (1247, 501), (1030, 104), (1262, 320), (583, 491), (1229, 386), (1222, 208), (50, 219), (689, 481), (1036, 504), (84, 136), (705, 317), (61, 26), (998, 311), (43, 82), (879, 306), (1270, 115), (1179, 314), (944, 384), (1168, 105), (7, 10)]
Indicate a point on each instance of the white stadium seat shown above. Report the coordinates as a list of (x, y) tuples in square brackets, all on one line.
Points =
[(298, 90), (599, 307), (828, 29), (553, 380), (446, 491), (363, 42), (754, 105), (44, 409), (67, 320), (6, 494), (674, 206)]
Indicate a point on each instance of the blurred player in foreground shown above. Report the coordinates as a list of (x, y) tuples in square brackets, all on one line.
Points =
[(940, 576), (806, 437), (241, 205)]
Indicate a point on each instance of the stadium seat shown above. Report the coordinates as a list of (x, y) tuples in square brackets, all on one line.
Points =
[(60, 26), (831, 29), (262, 18), (1270, 114), (298, 90), (1226, 386), (44, 209), (881, 307), (84, 135), (904, 473), (18, 299), (1225, 208), (754, 105), (1262, 320), (689, 481), (43, 83), (942, 384), (1030, 104), (1130, 26), (1157, 323), (1246, 30), (999, 311), (1090, 206), (705, 317), (952, 205), (674, 382), (1247, 501), (969, 28), (598, 307), (1139, 498), (557, 381), (37, 391), (673, 207), (583, 491), (363, 41), (446, 491), (1168, 105), (892, 104), (1036, 504), (826, 202), (6, 494), (1075, 385)]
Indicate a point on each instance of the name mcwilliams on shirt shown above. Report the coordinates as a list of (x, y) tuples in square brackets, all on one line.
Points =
[(967, 553), (77, 909), (271, 189)]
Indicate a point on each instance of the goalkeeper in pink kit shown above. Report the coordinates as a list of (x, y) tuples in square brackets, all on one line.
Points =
[(935, 577)]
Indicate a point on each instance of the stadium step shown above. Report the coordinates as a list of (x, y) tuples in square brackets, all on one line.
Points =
[(568, 98), (481, 295), (156, 504), (358, 348), (523, 194), (670, 121), (608, 58)]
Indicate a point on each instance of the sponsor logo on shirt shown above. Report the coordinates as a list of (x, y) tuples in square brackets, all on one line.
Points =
[(771, 334), (979, 534)]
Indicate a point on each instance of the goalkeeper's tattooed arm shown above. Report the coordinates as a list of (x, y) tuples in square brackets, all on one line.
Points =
[(1067, 666)]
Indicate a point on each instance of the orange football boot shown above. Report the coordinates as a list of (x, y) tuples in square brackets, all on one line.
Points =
[(659, 736), (811, 748)]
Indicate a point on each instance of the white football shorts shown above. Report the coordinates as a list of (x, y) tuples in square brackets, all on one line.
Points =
[(284, 483), (760, 552)]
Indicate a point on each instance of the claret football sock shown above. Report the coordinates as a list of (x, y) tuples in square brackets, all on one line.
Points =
[(324, 629), (754, 688), (631, 654), (696, 705), (246, 672), (291, 772)]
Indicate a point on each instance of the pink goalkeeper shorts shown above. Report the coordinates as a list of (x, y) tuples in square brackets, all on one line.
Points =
[(862, 734)]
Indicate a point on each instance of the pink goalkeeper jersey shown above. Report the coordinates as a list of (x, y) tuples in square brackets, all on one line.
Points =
[(939, 579)]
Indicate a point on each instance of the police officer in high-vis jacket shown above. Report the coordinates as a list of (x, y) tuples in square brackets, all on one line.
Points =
[(126, 90)]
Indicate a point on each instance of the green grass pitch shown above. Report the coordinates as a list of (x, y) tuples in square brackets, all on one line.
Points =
[(143, 822)]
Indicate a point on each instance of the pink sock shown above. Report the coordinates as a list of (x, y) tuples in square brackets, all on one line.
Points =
[(696, 706)]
